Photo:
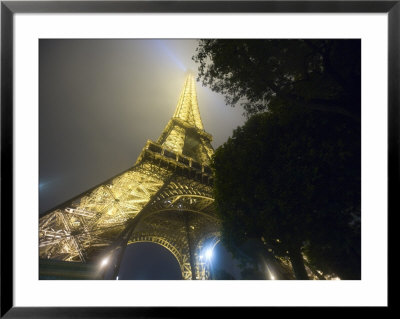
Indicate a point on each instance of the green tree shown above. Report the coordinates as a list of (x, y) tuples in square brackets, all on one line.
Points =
[(321, 75), (293, 178)]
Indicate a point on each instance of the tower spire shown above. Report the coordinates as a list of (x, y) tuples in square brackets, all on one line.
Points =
[(187, 108), (184, 133)]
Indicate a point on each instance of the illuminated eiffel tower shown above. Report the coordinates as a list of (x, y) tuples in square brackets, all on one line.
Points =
[(165, 198)]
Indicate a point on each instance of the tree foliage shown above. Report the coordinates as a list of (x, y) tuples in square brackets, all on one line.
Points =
[(293, 178), (292, 174), (321, 75)]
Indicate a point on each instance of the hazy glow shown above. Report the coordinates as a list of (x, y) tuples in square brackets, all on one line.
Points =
[(164, 48), (46, 183), (141, 79), (270, 274), (104, 262), (42, 185), (209, 253)]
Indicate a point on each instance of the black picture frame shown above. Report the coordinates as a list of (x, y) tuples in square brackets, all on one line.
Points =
[(9, 8)]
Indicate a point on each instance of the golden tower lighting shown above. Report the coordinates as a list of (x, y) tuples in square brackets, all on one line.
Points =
[(164, 198)]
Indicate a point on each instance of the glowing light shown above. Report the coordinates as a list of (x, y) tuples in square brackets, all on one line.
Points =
[(134, 189), (270, 274), (44, 185), (104, 262), (209, 253)]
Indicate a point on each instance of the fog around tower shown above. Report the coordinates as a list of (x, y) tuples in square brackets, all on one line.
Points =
[(101, 100)]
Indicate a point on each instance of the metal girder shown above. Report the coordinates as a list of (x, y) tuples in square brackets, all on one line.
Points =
[(169, 187)]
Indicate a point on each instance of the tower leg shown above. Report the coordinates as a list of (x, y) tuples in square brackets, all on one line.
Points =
[(191, 257)]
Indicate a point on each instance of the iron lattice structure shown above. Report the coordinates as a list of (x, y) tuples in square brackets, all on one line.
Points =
[(165, 198)]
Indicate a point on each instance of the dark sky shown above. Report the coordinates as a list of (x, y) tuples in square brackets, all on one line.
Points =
[(101, 100), (144, 261)]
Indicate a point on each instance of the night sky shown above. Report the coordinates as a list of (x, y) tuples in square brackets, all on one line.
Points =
[(99, 102)]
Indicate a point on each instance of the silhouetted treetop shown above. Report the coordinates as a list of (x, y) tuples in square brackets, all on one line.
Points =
[(322, 75)]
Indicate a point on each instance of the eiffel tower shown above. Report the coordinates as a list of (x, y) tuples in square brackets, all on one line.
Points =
[(164, 198)]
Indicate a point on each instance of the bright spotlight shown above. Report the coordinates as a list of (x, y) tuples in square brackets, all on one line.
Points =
[(209, 252), (104, 262)]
